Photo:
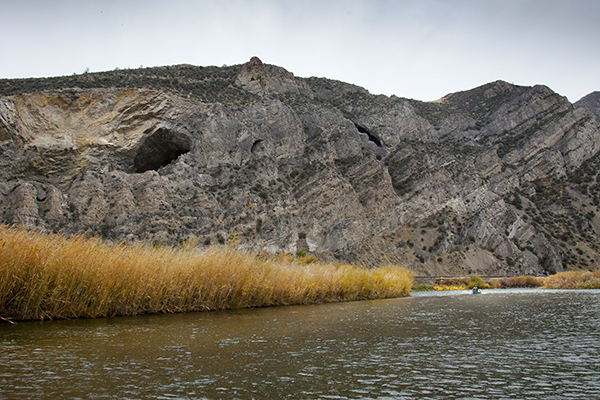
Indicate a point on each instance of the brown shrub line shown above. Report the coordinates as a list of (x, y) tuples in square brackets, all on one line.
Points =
[(560, 280), (573, 280), (516, 282), (467, 282)]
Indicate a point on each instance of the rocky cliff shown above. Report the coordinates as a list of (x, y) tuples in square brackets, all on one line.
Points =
[(591, 102), (500, 179)]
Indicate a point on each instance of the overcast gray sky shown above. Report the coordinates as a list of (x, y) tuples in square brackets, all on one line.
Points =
[(422, 49)]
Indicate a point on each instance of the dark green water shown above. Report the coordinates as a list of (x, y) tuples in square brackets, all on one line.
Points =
[(513, 344)]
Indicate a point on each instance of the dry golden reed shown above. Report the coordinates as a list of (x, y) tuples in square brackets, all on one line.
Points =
[(574, 280), (49, 276), (516, 282), (460, 283)]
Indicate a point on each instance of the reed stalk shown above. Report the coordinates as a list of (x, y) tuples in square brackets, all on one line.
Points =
[(516, 282), (50, 276), (573, 280)]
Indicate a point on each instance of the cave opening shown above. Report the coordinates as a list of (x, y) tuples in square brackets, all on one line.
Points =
[(159, 149), (257, 147), (371, 137)]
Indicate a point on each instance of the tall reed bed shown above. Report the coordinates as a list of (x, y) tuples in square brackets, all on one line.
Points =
[(460, 283), (48, 276), (516, 282), (574, 280)]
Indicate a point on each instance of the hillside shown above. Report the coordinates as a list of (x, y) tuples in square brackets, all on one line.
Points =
[(500, 179), (591, 102)]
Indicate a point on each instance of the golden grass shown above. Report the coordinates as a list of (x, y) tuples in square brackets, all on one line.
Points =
[(516, 281), (446, 287), (48, 276), (460, 283), (574, 280)]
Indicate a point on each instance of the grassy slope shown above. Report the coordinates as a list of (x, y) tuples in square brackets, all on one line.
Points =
[(210, 84)]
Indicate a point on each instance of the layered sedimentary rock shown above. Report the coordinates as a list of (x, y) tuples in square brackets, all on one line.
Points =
[(591, 102), (500, 179)]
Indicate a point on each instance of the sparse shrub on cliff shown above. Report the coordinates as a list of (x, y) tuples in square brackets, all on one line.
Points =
[(209, 84), (48, 276), (300, 253)]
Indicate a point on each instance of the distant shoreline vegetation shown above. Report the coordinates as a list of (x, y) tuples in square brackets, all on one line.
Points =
[(49, 276), (573, 280), (560, 280)]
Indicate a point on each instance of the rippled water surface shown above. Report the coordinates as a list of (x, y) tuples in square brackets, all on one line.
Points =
[(512, 344)]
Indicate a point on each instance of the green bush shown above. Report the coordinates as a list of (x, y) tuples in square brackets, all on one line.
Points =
[(475, 280)]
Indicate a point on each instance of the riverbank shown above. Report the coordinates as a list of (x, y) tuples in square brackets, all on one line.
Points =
[(560, 280), (49, 276), (573, 280)]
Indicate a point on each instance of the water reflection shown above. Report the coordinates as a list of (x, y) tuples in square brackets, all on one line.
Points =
[(451, 345)]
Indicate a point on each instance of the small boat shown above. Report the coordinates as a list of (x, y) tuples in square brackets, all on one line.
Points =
[(476, 290)]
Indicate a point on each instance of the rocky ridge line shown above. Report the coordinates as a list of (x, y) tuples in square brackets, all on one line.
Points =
[(499, 179)]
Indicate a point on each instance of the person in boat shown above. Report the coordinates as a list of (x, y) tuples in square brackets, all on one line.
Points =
[(476, 289)]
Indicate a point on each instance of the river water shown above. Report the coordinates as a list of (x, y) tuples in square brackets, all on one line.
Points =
[(502, 344)]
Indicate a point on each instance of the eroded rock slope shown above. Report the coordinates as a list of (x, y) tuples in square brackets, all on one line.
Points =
[(500, 179)]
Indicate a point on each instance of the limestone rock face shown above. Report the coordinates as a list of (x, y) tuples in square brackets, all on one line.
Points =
[(262, 79), (499, 179), (591, 102)]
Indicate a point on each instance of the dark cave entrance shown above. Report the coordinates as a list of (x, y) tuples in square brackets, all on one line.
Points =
[(257, 147), (372, 137), (160, 149)]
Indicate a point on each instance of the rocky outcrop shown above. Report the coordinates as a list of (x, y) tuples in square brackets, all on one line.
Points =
[(591, 102), (261, 79), (495, 180)]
